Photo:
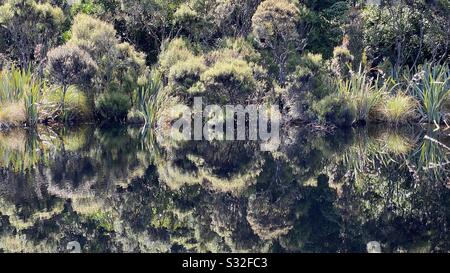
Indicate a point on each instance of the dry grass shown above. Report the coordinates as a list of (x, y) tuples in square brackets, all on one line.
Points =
[(13, 113), (399, 108)]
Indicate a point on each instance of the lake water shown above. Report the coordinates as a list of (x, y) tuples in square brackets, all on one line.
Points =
[(116, 189)]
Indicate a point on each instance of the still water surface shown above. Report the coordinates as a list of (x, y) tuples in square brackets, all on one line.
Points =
[(116, 190)]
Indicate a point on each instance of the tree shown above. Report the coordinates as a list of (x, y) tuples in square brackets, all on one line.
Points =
[(120, 66), (276, 26), (206, 20), (148, 23), (406, 33), (29, 29), (68, 64)]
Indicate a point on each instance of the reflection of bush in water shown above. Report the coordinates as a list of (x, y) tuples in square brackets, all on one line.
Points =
[(225, 166), (308, 152), (269, 219), (285, 210), (229, 222), (316, 222)]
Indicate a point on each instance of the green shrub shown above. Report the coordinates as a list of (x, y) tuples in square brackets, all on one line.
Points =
[(341, 62), (276, 25), (184, 74), (175, 51), (336, 110), (228, 80), (113, 106), (311, 73), (28, 29), (120, 66), (68, 65)]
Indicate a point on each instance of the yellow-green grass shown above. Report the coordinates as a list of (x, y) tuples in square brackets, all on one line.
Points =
[(13, 113), (76, 105), (396, 143), (399, 108)]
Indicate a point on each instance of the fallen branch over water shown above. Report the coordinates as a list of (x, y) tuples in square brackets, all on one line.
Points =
[(437, 142)]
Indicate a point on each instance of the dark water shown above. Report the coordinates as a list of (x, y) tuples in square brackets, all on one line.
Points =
[(115, 190)]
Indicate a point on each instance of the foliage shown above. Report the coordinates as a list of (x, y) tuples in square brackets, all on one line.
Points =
[(16, 85), (177, 50), (326, 19), (406, 33), (228, 51), (432, 88), (29, 28), (313, 73), (76, 105), (226, 74), (310, 82), (342, 62), (70, 65), (120, 66), (276, 26), (113, 106), (363, 92), (147, 95), (184, 74), (229, 79)]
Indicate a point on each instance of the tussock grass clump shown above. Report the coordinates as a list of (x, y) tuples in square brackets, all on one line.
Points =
[(399, 108), (13, 113), (363, 92)]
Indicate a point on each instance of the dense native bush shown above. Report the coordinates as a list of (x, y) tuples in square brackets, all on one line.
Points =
[(310, 82), (203, 21), (227, 74), (407, 33), (326, 21), (277, 27), (336, 110), (295, 53), (28, 29), (148, 23)]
